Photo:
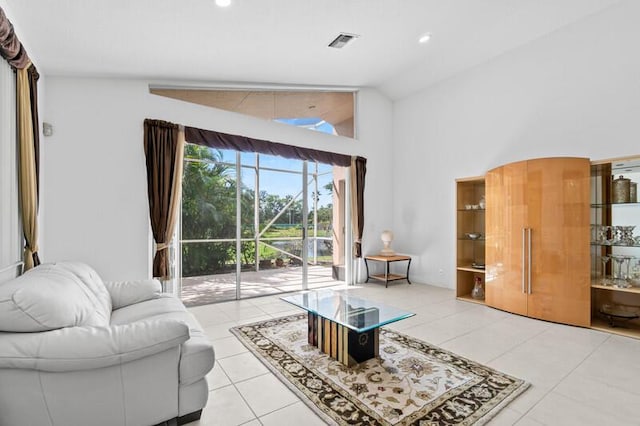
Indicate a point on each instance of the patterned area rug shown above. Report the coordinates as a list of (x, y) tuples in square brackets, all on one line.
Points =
[(411, 383)]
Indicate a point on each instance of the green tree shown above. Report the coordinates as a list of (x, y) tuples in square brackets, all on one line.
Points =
[(208, 210), (209, 191)]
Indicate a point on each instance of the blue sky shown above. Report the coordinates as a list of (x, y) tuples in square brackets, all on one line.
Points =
[(317, 124), (286, 183), (281, 183), (287, 178)]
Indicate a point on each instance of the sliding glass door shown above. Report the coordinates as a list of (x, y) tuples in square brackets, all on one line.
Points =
[(254, 224), (277, 226), (208, 225)]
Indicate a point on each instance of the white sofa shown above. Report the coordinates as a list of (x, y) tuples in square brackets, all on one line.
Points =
[(75, 350)]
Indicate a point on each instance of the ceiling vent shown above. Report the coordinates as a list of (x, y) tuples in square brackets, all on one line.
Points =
[(342, 40)]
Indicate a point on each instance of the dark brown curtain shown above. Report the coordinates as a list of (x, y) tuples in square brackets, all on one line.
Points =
[(34, 76), (358, 172), (219, 140), (163, 152), (10, 47)]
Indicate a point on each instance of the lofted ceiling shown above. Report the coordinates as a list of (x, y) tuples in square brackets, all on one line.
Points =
[(283, 42)]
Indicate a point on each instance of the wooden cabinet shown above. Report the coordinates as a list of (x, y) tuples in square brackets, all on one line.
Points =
[(537, 239), (506, 225), (470, 236)]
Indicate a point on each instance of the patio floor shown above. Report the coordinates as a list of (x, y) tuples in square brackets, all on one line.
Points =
[(208, 289)]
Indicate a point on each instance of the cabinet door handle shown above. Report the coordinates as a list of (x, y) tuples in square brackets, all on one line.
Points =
[(529, 263), (524, 237)]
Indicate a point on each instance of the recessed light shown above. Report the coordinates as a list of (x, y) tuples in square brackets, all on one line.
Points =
[(424, 38), (223, 3)]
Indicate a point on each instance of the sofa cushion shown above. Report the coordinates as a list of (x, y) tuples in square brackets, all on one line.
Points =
[(39, 302), (125, 293), (196, 356), (161, 306), (93, 282), (85, 348), (49, 297), (97, 297)]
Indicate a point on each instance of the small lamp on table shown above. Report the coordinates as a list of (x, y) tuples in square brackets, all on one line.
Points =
[(387, 237)]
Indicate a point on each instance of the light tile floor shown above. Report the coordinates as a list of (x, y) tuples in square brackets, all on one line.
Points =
[(578, 376), (207, 289)]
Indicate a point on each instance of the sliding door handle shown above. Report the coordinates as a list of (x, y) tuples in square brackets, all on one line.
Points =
[(524, 265), (529, 262)]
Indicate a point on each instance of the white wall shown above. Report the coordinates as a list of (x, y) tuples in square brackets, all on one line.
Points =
[(575, 92), (94, 169)]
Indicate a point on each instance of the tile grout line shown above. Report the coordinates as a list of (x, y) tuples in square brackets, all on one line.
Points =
[(533, 336), (299, 401), (467, 332), (255, 416), (434, 320), (564, 377), (267, 373)]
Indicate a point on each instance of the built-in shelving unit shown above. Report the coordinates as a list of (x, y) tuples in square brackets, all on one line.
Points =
[(470, 231), (615, 284)]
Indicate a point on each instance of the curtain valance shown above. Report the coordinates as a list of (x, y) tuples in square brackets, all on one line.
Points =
[(10, 47), (219, 140)]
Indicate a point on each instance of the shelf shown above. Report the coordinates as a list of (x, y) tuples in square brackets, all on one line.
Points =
[(612, 245), (626, 328), (470, 268), (612, 288), (390, 277), (598, 206), (468, 298), (469, 192)]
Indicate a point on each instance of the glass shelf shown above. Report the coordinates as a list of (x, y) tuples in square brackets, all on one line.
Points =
[(594, 243), (613, 204), (631, 289)]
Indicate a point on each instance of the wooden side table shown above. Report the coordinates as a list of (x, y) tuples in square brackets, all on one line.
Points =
[(386, 277)]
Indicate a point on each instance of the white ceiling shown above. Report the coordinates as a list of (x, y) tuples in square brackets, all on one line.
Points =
[(283, 41)]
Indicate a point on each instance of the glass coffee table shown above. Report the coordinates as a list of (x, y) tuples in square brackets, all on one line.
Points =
[(345, 327)]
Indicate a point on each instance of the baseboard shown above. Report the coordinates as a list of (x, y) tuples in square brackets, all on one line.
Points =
[(188, 418)]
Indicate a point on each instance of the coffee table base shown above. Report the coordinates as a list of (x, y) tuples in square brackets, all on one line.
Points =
[(341, 343)]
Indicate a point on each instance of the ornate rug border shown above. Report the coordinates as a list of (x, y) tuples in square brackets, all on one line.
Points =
[(325, 417)]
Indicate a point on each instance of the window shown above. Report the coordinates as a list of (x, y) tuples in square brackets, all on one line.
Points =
[(10, 225), (255, 224), (326, 111)]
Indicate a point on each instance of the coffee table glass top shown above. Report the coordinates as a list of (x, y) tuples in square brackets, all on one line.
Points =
[(347, 310)]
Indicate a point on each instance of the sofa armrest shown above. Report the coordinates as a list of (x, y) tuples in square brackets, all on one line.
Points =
[(125, 293), (84, 348)]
